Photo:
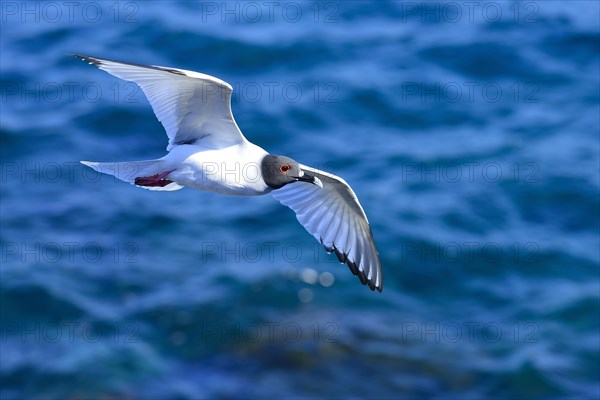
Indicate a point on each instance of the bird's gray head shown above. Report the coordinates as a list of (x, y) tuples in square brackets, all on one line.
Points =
[(278, 171)]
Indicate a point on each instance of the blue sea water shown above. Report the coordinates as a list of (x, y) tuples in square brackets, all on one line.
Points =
[(469, 131)]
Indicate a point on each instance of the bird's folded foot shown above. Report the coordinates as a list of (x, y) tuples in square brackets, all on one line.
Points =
[(154, 180)]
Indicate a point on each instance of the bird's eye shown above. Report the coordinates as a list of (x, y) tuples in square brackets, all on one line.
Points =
[(284, 168)]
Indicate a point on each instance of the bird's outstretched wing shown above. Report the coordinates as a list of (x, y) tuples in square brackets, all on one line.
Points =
[(333, 215), (194, 108)]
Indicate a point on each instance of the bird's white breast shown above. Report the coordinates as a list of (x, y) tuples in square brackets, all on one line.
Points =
[(233, 170)]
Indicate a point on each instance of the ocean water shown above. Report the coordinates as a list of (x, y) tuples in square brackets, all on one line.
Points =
[(469, 131)]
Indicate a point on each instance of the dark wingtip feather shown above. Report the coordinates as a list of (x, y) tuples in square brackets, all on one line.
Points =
[(99, 62), (90, 60), (340, 255), (343, 258)]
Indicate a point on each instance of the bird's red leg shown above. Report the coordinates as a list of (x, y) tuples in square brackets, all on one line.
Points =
[(154, 180)]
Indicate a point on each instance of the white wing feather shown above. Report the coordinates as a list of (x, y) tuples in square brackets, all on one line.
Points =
[(333, 215), (193, 107)]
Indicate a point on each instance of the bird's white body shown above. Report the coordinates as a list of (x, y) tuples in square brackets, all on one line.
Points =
[(233, 170)]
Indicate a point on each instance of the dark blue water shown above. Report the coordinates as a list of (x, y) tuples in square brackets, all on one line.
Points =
[(470, 132)]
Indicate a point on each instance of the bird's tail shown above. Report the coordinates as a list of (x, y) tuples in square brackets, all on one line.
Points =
[(135, 172)]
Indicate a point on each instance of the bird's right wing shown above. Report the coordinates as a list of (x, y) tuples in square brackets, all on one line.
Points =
[(333, 215), (194, 108)]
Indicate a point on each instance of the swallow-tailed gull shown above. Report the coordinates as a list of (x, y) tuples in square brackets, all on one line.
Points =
[(206, 146)]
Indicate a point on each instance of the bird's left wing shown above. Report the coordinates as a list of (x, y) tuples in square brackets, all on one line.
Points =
[(333, 215), (194, 108)]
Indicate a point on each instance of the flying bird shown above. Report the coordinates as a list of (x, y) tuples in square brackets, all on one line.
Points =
[(206, 145)]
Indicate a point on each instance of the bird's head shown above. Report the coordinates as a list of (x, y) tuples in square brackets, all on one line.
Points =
[(278, 171)]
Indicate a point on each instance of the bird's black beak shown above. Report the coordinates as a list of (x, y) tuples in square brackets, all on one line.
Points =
[(310, 179)]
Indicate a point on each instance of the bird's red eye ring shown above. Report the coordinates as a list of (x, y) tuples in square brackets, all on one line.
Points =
[(284, 168)]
